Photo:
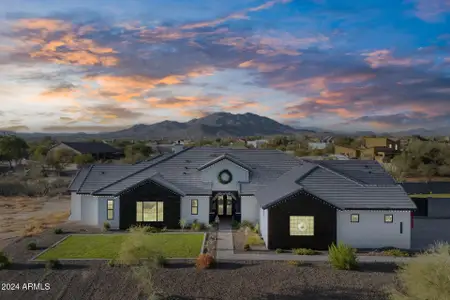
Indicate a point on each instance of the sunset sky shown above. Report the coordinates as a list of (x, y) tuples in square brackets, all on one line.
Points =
[(101, 65)]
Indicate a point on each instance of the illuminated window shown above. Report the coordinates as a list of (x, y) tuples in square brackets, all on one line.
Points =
[(110, 210), (194, 207), (388, 218), (149, 211), (301, 225), (354, 218)]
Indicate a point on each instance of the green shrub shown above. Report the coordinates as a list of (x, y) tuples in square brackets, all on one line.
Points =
[(106, 226), (235, 224), (143, 229), (247, 247), (342, 257), (205, 261), (58, 231), (53, 264), (111, 263), (279, 251), (164, 229), (196, 226), (426, 276), (5, 262), (159, 260), (254, 240), (31, 246), (396, 252), (256, 228), (304, 251), (182, 224), (248, 224)]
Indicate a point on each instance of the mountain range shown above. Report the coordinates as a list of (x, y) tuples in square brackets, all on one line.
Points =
[(221, 124)]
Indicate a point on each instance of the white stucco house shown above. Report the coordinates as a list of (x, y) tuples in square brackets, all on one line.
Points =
[(297, 203)]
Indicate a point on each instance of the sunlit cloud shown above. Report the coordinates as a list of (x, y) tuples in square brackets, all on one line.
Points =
[(384, 57)]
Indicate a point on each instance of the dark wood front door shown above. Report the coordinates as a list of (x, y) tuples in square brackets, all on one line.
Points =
[(224, 206)]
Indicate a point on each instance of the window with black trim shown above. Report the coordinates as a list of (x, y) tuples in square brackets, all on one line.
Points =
[(388, 218), (194, 207), (147, 211), (301, 225), (354, 218), (110, 210)]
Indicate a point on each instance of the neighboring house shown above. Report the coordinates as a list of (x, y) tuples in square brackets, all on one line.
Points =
[(327, 140), (431, 198), (98, 150), (347, 151), (297, 203), (256, 143), (379, 148), (167, 148)]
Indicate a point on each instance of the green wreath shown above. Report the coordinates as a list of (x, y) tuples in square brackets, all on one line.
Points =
[(228, 174)]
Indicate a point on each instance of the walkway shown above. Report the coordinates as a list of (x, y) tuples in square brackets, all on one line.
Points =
[(225, 252)]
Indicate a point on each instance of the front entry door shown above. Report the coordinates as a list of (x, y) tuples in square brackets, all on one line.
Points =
[(224, 206)]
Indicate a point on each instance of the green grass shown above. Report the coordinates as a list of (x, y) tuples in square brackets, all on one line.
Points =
[(108, 246)]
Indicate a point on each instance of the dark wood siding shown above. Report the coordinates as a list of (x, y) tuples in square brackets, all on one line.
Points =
[(422, 207), (150, 191), (301, 205)]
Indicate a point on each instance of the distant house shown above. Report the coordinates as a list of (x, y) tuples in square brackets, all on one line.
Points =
[(347, 151), (257, 143), (98, 150), (167, 148), (381, 149), (319, 146)]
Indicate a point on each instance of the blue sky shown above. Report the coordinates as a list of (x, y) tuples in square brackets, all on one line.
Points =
[(107, 64)]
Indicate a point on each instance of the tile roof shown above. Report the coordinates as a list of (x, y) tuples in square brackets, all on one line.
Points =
[(91, 147), (228, 157), (274, 175)]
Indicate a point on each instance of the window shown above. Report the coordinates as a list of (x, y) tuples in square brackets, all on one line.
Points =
[(396, 147), (301, 225), (388, 218), (149, 211), (110, 210), (354, 218), (194, 207)]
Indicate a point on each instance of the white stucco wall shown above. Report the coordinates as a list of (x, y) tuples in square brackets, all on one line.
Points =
[(372, 232), (203, 209), (89, 210), (75, 207), (249, 209), (263, 225), (211, 174), (103, 212)]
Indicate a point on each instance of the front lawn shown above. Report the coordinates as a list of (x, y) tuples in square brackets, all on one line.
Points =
[(107, 246)]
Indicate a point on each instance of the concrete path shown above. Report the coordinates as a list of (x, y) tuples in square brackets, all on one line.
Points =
[(225, 252)]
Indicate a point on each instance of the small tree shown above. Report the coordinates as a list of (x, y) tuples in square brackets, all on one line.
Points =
[(12, 148), (83, 159)]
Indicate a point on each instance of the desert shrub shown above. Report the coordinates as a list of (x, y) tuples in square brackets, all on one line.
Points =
[(33, 228), (58, 231), (143, 229), (111, 263), (426, 276), (134, 249), (279, 251), (256, 228), (235, 224), (295, 262), (182, 224), (254, 239), (106, 226), (31, 246), (246, 223), (247, 247), (304, 251), (144, 276), (205, 261), (159, 260), (53, 264), (196, 226), (396, 252), (342, 257), (164, 229), (5, 262)]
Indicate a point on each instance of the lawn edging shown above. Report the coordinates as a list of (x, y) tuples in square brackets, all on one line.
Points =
[(172, 259), (34, 258)]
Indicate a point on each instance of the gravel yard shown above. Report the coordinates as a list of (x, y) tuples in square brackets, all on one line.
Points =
[(268, 280)]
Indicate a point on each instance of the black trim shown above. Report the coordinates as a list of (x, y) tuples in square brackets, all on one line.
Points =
[(109, 209), (392, 220), (380, 209), (357, 218), (194, 206)]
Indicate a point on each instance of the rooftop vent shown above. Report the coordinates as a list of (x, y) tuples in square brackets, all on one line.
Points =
[(103, 172)]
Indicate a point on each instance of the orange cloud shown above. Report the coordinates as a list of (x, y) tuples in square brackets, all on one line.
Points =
[(384, 57), (50, 25), (234, 104), (180, 102), (261, 66)]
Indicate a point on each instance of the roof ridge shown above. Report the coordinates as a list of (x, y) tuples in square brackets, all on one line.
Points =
[(142, 170), (87, 175)]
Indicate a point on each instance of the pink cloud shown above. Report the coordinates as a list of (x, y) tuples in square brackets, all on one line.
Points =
[(379, 58)]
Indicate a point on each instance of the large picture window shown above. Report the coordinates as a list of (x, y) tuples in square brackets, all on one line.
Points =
[(194, 207), (301, 225), (110, 210), (149, 211)]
